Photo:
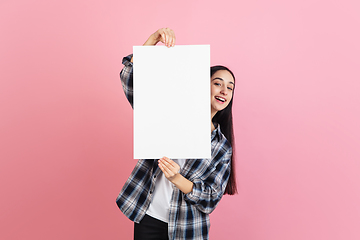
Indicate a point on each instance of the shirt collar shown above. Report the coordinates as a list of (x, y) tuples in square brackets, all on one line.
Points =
[(216, 131)]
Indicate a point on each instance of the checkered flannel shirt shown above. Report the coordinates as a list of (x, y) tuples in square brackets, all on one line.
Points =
[(188, 213)]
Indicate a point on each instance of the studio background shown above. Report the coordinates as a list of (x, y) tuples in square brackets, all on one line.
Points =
[(66, 126)]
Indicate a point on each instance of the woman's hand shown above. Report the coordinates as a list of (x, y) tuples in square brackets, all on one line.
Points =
[(171, 171), (169, 168), (164, 35)]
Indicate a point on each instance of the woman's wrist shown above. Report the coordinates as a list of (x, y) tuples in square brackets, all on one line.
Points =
[(151, 41), (182, 183)]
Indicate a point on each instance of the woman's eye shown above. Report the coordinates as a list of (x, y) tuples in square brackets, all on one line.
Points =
[(230, 88), (217, 84)]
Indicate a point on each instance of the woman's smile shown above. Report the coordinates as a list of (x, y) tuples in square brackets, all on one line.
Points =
[(220, 99)]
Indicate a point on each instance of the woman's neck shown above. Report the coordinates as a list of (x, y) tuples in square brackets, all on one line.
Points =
[(213, 112), (212, 126)]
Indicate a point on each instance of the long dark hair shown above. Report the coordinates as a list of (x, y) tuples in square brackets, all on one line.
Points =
[(224, 118)]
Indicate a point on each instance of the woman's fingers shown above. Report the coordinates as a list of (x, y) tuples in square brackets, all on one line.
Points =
[(173, 38), (162, 167), (167, 36), (167, 172), (166, 40), (167, 162), (162, 35), (169, 168), (170, 164)]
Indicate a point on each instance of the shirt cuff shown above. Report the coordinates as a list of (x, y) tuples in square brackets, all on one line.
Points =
[(194, 196), (127, 60)]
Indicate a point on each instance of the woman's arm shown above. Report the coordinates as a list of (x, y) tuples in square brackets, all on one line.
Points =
[(209, 188), (164, 35), (205, 191)]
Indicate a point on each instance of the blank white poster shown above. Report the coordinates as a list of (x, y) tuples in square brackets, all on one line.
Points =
[(172, 112)]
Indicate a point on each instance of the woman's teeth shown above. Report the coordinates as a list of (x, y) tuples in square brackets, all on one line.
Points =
[(220, 99)]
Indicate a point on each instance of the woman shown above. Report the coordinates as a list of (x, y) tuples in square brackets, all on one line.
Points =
[(172, 199)]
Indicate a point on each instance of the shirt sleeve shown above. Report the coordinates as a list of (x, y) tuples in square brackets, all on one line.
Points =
[(209, 189), (126, 76)]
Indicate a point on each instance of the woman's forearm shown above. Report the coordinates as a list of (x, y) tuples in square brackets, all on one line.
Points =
[(182, 183), (149, 42), (152, 40)]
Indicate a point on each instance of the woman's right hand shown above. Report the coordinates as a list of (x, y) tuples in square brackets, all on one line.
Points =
[(164, 35)]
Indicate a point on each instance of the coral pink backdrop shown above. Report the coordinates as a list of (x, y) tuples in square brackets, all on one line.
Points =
[(66, 127)]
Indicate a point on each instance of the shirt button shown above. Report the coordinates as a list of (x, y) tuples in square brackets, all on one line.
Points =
[(154, 176), (151, 192)]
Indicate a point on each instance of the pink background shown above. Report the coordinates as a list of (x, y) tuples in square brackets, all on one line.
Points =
[(66, 127)]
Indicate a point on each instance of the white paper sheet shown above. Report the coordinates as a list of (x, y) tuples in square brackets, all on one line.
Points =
[(172, 112)]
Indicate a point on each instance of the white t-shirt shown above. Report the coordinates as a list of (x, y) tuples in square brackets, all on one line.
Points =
[(160, 204)]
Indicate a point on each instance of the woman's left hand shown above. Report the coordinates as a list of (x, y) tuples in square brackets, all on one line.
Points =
[(169, 168)]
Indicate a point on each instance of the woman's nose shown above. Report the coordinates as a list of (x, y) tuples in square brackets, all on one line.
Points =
[(224, 91)]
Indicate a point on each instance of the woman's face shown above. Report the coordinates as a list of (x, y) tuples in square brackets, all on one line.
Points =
[(222, 85)]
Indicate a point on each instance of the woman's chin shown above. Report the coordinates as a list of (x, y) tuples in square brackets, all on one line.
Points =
[(217, 109)]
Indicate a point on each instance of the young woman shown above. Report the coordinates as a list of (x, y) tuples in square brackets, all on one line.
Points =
[(172, 198)]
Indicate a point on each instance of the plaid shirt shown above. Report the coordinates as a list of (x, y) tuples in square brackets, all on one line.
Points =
[(188, 213)]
